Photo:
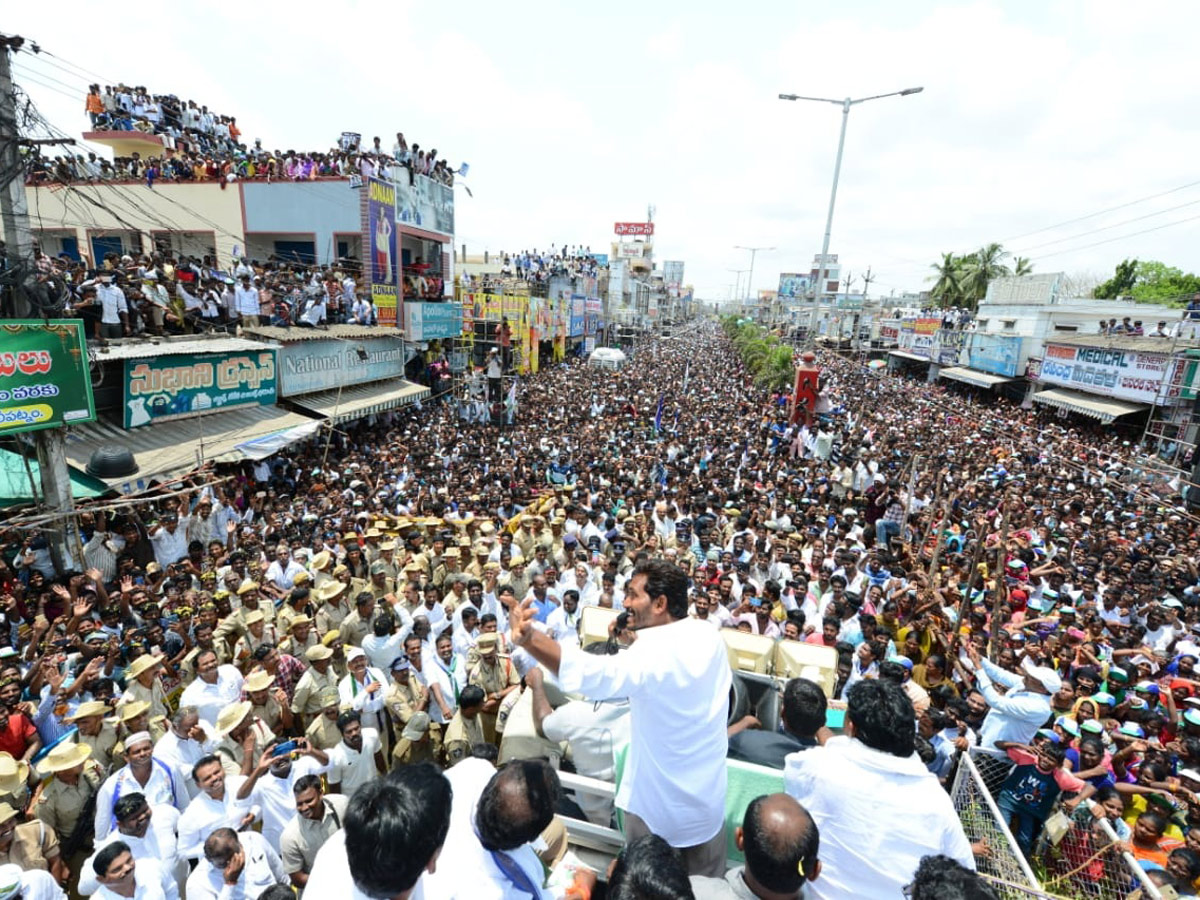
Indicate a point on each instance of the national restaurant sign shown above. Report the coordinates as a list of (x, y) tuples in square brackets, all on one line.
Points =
[(1112, 372)]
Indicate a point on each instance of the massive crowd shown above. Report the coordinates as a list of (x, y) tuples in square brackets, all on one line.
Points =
[(167, 293), (228, 666), (200, 146)]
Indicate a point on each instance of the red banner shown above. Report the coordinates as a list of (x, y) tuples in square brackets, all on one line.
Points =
[(646, 228)]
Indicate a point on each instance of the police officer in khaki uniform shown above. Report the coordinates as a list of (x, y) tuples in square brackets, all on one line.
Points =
[(268, 705), (142, 682), (333, 608), (96, 733), (497, 676), (323, 732), (243, 737), (307, 698), (65, 803), (30, 845), (301, 638)]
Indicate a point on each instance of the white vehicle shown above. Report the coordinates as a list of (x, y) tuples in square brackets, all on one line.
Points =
[(607, 358)]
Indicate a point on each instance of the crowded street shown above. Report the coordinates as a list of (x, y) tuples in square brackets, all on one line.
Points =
[(383, 596)]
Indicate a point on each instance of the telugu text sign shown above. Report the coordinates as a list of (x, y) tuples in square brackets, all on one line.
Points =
[(174, 387), (381, 238), (634, 228), (1123, 374), (44, 377)]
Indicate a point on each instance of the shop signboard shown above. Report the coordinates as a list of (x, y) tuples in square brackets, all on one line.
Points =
[(578, 311), (907, 331), (187, 384), (949, 347), (432, 321), (996, 353), (924, 333), (321, 365), (634, 228), (44, 375), (889, 330), (794, 286), (381, 237), (425, 203), (1113, 372)]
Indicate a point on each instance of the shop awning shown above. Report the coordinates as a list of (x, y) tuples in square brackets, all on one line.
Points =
[(362, 399), (16, 490), (179, 446), (1101, 408), (904, 355), (970, 376)]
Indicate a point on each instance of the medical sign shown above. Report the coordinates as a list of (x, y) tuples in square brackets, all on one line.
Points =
[(1124, 374), (44, 375), (634, 228), (381, 238), (187, 384)]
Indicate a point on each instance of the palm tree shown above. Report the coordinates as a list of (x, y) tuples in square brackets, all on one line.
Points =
[(1022, 265), (777, 369), (987, 263), (946, 288)]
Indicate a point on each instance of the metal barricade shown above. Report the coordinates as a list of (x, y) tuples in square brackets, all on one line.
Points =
[(1003, 863), (1085, 863)]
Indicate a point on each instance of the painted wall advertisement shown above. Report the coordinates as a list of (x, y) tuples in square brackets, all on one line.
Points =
[(44, 377), (794, 286), (996, 353), (381, 237), (308, 366), (431, 321), (425, 203), (175, 387), (1124, 374)]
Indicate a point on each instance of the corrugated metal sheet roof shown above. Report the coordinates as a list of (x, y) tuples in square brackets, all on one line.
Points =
[(344, 332), (147, 348), (362, 400), (180, 446), (971, 376)]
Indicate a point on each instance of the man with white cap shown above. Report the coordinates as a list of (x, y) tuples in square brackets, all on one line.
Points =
[(32, 885), (215, 687), (1018, 714), (363, 690), (158, 782)]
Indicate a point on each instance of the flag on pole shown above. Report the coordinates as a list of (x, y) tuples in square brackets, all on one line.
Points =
[(687, 369), (658, 414)]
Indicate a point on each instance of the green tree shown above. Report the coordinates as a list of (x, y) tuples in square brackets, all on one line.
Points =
[(1157, 282), (1022, 266), (984, 264), (946, 290), (1121, 284)]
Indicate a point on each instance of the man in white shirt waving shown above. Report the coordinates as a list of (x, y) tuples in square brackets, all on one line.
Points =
[(676, 676)]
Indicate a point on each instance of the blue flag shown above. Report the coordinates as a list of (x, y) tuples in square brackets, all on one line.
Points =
[(658, 414)]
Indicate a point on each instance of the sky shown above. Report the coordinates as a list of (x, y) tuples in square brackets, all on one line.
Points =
[(1037, 119)]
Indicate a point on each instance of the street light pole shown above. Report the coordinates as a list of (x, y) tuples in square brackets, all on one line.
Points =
[(738, 285), (823, 266), (753, 253)]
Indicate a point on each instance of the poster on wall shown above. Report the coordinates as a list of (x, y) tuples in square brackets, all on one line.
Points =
[(996, 353), (425, 203), (381, 238)]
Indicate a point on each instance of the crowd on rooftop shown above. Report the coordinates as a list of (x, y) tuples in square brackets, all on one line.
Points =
[(405, 595)]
